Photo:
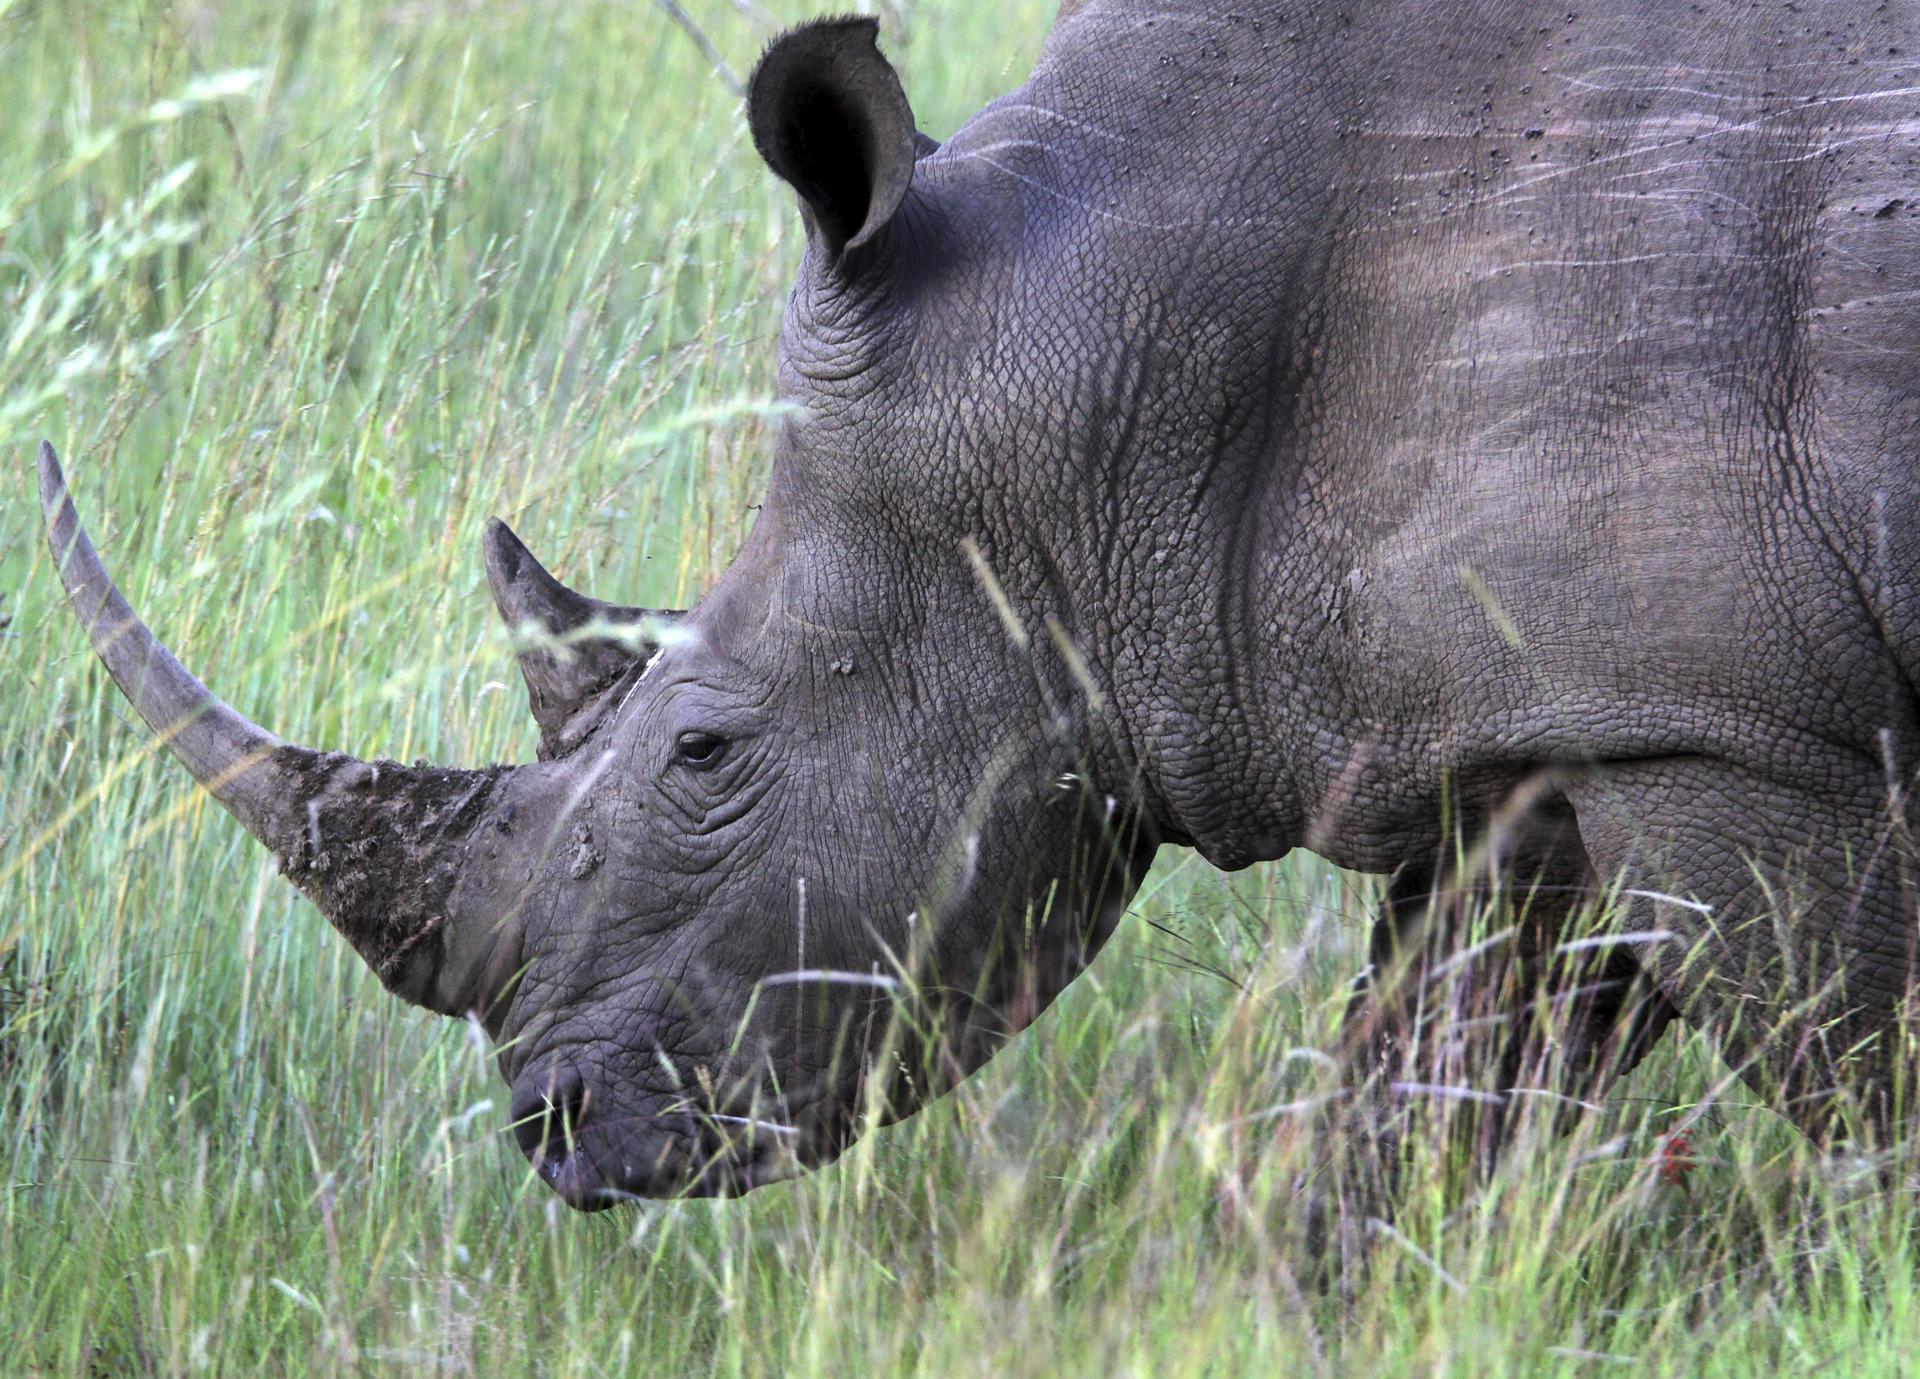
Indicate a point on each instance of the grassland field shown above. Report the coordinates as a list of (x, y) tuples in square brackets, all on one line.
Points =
[(305, 293)]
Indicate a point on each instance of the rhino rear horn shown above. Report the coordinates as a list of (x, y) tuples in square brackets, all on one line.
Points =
[(377, 846), (574, 647)]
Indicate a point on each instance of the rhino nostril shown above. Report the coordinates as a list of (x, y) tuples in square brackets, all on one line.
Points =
[(548, 1108)]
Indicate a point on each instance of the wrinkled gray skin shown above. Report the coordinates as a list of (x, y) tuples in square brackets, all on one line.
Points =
[(1374, 419)]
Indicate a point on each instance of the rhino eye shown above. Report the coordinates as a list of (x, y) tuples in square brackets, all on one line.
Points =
[(699, 750)]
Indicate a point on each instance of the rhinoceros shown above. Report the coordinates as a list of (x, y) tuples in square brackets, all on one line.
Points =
[(1351, 428)]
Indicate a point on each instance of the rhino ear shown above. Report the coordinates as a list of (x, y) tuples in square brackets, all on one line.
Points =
[(829, 116), (577, 646)]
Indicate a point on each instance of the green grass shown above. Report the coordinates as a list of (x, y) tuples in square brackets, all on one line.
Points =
[(304, 295)]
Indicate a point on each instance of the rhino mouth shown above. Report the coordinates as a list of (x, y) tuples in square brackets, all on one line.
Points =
[(652, 1157)]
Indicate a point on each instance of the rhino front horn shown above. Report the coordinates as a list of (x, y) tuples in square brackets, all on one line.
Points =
[(377, 846)]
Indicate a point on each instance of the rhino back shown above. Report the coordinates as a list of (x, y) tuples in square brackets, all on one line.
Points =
[(1512, 387)]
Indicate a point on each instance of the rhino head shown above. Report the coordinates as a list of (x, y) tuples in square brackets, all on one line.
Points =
[(789, 863)]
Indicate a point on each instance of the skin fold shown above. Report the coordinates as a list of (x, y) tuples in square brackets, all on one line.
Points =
[(1345, 430)]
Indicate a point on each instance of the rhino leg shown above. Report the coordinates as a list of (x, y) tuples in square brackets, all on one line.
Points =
[(1474, 1025), (1794, 916), (1451, 1028)]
